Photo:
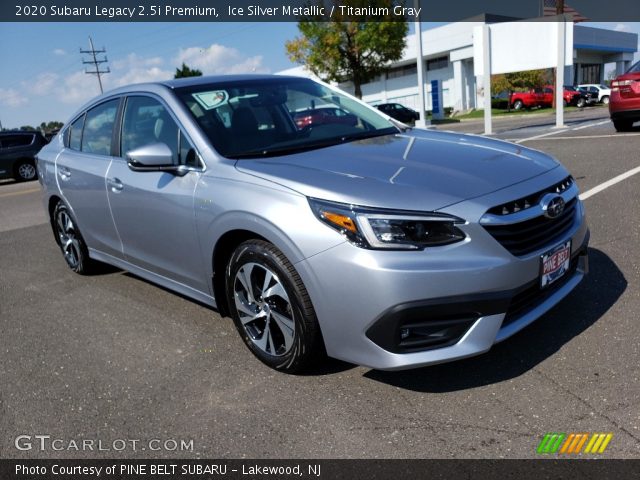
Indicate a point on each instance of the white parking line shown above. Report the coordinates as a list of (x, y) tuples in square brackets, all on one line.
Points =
[(616, 135), (541, 136), (548, 134), (592, 125), (608, 183)]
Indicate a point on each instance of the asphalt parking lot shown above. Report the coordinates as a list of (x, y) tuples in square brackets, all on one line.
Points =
[(113, 357)]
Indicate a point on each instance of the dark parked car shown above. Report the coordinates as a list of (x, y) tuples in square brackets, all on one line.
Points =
[(591, 96), (17, 154), (399, 112)]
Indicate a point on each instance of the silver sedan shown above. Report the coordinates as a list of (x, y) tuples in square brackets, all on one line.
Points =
[(348, 234)]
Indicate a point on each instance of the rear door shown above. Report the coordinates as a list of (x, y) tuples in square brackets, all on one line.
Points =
[(81, 169), (154, 211)]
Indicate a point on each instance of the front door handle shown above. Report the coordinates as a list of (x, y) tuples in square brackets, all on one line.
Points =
[(115, 184), (64, 173)]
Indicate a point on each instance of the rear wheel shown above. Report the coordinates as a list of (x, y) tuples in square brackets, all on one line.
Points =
[(581, 103), (605, 100), (623, 125), (518, 105), (68, 237), (271, 308), (25, 171)]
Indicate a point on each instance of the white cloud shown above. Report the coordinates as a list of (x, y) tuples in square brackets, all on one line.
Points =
[(43, 84), (59, 52), (218, 59), (135, 60), (77, 88), (622, 27), (136, 69), (12, 98)]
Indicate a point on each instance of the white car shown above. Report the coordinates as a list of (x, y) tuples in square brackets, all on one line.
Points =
[(603, 91)]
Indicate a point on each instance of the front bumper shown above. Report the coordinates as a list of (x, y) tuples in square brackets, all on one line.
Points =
[(362, 297)]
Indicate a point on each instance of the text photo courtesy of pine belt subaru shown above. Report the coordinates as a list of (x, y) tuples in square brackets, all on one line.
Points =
[(366, 240)]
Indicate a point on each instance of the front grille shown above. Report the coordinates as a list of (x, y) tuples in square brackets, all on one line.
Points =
[(532, 296), (530, 200), (531, 235)]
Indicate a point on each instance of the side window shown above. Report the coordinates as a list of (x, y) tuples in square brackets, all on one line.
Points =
[(75, 135), (17, 141), (146, 121), (98, 128)]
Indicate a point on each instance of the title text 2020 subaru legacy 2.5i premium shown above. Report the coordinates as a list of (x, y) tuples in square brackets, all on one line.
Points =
[(377, 244)]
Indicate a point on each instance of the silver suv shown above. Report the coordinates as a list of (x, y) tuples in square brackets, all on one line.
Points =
[(361, 239)]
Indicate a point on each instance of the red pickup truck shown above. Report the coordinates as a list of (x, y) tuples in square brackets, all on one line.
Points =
[(570, 97), (543, 97), (530, 99)]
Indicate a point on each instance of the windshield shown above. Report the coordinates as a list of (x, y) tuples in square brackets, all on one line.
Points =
[(279, 115)]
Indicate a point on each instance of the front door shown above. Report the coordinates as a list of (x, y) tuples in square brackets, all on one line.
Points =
[(154, 211)]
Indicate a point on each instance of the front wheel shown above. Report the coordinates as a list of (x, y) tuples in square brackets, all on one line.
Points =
[(605, 100), (518, 105), (68, 237), (271, 308), (581, 103)]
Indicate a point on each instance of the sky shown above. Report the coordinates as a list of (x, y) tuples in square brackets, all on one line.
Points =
[(42, 76)]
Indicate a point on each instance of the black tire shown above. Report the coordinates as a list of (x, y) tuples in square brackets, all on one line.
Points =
[(623, 125), (518, 105), (257, 259), (564, 102), (605, 100), (581, 103), (24, 171), (69, 239)]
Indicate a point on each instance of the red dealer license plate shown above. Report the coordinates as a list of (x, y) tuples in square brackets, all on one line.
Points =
[(555, 264)]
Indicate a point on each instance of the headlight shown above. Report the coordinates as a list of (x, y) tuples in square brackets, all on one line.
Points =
[(388, 229)]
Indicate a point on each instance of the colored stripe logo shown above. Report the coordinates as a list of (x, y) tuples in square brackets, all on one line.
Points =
[(573, 443)]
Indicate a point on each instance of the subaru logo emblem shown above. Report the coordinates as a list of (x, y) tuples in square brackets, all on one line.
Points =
[(552, 205)]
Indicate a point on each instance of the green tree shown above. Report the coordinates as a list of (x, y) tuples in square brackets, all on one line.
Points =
[(185, 71), (50, 126), (344, 50), (27, 128)]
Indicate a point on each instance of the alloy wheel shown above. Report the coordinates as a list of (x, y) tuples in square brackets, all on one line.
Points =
[(68, 237), (26, 171), (264, 309)]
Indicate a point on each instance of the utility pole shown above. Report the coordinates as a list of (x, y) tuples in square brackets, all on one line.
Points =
[(559, 7), (95, 61)]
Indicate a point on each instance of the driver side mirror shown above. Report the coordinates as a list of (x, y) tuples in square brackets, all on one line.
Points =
[(155, 157)]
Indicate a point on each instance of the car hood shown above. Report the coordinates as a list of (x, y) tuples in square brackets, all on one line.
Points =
[(417, 170)]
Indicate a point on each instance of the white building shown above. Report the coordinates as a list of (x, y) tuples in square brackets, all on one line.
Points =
[(448, 55)]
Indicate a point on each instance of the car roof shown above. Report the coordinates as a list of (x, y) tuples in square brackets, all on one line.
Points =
[(208, 79)]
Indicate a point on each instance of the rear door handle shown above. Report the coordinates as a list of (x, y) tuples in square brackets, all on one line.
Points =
[(115, 184), (64, 173)]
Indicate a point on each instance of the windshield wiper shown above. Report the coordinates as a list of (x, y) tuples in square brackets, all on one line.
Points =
[(290, 149)]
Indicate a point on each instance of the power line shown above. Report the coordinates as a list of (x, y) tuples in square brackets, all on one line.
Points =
[(95, 61)]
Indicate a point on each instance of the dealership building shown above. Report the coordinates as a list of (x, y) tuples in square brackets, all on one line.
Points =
[(448, 56)]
